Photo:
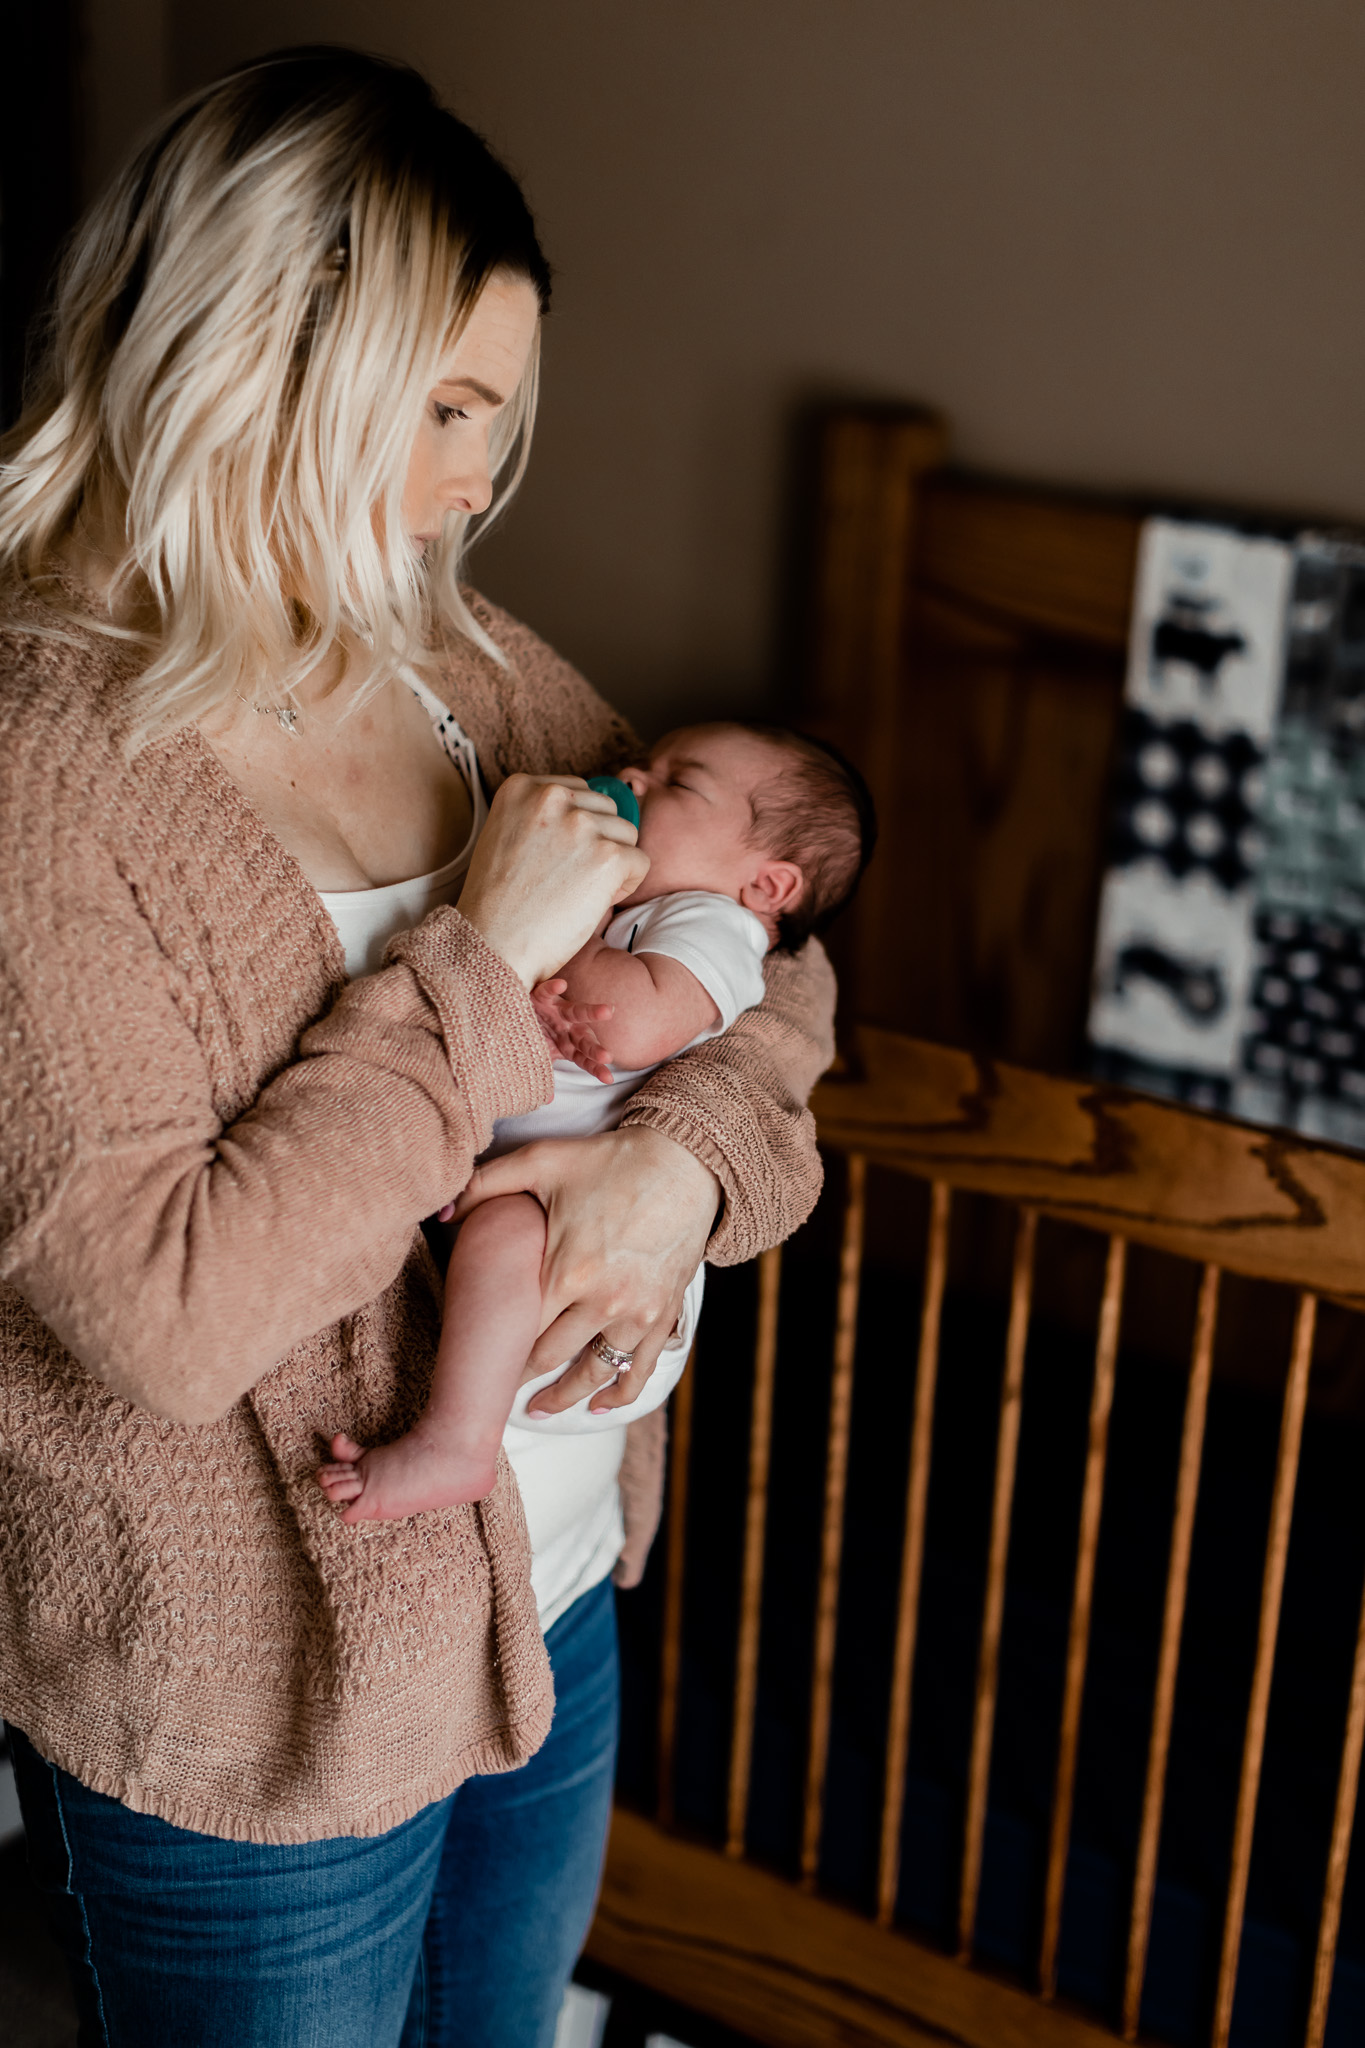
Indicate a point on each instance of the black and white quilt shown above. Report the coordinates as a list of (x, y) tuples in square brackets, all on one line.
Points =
[(1230, 954)]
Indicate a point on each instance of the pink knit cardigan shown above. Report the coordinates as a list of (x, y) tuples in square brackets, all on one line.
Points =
[(214, 1157)]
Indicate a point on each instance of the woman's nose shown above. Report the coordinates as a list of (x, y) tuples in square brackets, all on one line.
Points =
[(470, 488)]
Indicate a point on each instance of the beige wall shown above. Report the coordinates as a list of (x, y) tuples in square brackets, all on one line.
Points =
[(1121, 242)]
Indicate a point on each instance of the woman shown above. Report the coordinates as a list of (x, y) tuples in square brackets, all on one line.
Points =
[(248, 717)]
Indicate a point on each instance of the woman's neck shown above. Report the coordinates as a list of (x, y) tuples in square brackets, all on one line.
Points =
[(93, 551)]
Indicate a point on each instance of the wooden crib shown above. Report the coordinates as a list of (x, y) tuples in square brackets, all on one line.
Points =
[(969, 642)]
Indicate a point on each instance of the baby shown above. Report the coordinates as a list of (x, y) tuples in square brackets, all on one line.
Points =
[(756, 837)]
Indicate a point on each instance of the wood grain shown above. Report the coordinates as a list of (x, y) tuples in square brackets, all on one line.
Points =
[(1339, 1850), (1267, 1203), (1063, 564), (1168, 1655), (792, 1971), (969, 644), (832, 1529), (670, 1666), (1078, 1635), (976, 921), (1267, 1633), (871, 465), (755, 1526), (997, 1559), (912, 1553)]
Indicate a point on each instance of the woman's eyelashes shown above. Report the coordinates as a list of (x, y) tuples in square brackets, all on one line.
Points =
[(446, 413)]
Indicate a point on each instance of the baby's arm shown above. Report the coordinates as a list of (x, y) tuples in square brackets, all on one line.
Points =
[(658, 1006)]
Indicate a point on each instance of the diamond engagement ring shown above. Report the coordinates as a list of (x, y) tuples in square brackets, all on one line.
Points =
[(619, 1361)]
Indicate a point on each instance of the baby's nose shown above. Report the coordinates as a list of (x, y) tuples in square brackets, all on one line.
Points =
[(636, 780)]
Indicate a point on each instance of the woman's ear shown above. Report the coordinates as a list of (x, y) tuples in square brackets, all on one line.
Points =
[(776, 886)]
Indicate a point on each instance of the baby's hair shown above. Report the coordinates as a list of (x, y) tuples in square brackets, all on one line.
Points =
[(820, 815)]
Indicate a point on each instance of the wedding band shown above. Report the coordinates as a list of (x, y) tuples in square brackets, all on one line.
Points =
[(619, 1361)]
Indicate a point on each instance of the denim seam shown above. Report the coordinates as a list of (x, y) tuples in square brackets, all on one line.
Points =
[(417, 1998), (79, 1898)]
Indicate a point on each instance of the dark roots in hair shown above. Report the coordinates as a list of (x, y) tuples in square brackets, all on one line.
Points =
[(398, 125), (817, 812)]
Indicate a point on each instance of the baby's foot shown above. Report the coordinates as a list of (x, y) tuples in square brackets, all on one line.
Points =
[(418, 1472)]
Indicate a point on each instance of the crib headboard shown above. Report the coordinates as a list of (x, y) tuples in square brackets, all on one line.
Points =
[(967, 649), (888, 1758)]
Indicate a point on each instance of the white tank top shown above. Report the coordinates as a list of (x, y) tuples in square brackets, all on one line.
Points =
[(566, 1466), (366, 919)]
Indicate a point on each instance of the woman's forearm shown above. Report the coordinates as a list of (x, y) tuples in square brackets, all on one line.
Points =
[(178, 1260)]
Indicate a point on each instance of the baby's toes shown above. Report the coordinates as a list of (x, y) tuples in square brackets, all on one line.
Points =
[(340, 1482), (345, 1449)]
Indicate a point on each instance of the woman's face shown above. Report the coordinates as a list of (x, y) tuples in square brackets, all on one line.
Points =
[(448, 470)]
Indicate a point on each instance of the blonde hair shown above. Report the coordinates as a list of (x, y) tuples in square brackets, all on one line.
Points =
[(244, 332)]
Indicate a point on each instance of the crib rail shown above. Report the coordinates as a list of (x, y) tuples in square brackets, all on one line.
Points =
[(1136, 1171)]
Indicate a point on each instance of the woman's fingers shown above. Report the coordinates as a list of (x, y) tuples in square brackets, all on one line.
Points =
[(552, 859), (590, 1374), (505, 1176), (628, 1215)]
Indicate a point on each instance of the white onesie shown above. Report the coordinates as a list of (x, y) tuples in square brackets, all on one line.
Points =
[(566, 1465), (572, 1506), (716, 939)]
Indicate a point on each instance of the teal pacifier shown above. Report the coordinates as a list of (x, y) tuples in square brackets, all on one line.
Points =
[(621, 795)]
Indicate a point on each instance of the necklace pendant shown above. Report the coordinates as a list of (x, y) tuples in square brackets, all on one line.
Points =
[(289, 719)]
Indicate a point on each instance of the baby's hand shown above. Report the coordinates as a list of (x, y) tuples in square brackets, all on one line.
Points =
[(568, 1027)]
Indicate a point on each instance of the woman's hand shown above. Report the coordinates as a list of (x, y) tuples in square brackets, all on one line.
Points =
[(552, 859), (629, 1214)]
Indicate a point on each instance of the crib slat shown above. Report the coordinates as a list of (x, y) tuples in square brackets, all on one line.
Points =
[(1272, 1594), (755, 1526), (988, 1661), (1168, 1659), (832, 1536), (1078, 1641), (680, 1410), (1339, 1853), (912, 1551)]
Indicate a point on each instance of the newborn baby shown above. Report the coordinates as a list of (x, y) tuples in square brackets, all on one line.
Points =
[(756, 837)]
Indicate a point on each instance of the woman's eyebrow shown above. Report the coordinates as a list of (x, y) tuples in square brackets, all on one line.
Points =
[(483, 391)]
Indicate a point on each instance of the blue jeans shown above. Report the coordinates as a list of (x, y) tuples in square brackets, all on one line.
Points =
[(523, 1854), (461, 1925)]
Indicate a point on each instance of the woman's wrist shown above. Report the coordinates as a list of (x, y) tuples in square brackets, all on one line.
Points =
[(501, 936), (629, 1215), (698, 1187), (551, 860), (671, 1135)]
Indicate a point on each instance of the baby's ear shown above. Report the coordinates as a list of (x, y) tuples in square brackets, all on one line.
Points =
[(775, 887)]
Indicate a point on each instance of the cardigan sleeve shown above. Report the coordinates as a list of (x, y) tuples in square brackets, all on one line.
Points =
[(739, 1101), (178, 1257)]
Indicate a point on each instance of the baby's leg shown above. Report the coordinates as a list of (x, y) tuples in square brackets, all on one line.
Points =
[(491, 1320)]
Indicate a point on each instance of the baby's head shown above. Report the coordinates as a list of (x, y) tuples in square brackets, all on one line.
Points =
[(759, 813)]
